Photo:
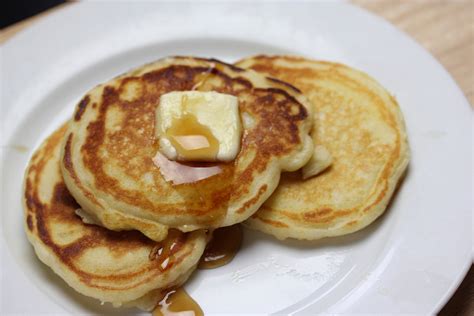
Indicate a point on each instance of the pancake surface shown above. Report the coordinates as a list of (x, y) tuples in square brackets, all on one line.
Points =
[(362, 127), (107, 156), (116, 267)]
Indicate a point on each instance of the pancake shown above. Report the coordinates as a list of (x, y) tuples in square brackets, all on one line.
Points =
[(107, 155), (362, 127), (117, 267)]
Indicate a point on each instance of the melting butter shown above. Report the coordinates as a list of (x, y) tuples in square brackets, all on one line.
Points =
[(192, 140), (198, 126)]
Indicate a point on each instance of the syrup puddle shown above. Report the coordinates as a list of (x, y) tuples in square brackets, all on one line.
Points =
[(176, 302)]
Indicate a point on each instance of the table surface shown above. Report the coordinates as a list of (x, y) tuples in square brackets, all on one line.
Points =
[(446, 29)]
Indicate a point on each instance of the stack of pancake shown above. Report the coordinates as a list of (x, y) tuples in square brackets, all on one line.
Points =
[(322, 150)]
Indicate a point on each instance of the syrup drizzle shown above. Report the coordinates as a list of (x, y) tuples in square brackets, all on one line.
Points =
[(225, 243), (222, 248), (165, 250)]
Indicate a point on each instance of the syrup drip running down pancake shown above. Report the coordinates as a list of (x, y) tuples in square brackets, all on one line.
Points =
[(222, 248)]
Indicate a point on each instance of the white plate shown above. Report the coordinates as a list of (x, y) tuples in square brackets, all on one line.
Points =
[(409, 261)]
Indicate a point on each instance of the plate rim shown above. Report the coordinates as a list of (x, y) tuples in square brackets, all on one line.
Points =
[(461, 274)]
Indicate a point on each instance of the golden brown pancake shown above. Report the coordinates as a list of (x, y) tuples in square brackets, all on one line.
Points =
[(107, 155), (361, 126), (117, 267)]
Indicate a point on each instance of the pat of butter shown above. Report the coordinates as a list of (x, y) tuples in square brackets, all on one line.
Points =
[(198, 126)]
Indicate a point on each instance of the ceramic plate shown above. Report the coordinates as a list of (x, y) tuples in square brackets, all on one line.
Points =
[(409, 261)]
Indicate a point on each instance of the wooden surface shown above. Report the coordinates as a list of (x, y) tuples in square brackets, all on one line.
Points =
[(446, 29)]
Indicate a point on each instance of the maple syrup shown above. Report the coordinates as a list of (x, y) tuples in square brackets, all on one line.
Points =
[(225, 243), (180, 173), (176, 302), (222, 248), (163, 252), (192, 140), (204, 186)]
